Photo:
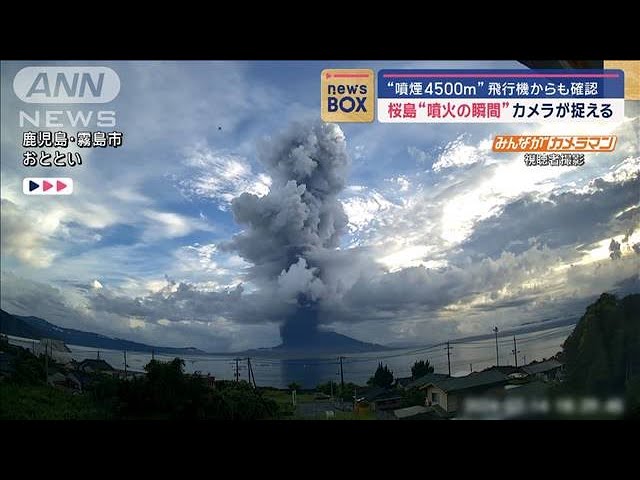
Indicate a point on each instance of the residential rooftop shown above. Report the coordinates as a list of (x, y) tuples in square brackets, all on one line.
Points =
[(542, 367), (473, 380)]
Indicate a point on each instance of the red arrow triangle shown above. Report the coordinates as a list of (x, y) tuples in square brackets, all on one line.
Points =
[(60, 185), (46, 185)]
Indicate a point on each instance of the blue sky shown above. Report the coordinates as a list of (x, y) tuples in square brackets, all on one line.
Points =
[(445, 238)]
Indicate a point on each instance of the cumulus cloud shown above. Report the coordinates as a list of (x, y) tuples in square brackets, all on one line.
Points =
[(105, 312), (170, 225), (579, 216), (362, 208), (459, 154), (24, 234), (427, 289), (220, 176)]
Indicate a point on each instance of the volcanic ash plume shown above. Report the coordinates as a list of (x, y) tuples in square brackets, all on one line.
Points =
[(298, 219)]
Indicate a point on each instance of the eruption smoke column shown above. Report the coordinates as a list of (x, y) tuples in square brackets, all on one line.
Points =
[(300, 216)]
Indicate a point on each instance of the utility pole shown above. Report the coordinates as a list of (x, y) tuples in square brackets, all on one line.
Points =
[(98, 354), (153, 354), (237, 370), (471, 367), (341, 373), (448, 349), (250, 373), (125, 364), (495, 329), (46, 362), (515, 351)]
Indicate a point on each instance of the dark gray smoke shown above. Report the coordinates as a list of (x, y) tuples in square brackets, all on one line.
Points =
[(288, 229)]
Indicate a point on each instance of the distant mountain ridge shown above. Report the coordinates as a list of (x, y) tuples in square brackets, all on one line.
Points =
[(37, 328), (319, 342)]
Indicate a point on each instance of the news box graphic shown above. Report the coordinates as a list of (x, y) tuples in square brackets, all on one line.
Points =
[(348, 95)]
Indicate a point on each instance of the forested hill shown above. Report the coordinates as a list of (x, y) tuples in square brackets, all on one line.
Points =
[(37, 328), (602, 354)]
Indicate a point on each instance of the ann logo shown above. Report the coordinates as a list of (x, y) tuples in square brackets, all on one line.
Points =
[(347, 95), (74, 85), (66, 84)]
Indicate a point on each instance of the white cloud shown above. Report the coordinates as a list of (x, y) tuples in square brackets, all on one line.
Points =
[(420, 155), (457, 154), (412, 256), (170, 225), (220, 176), (24, 234), (364, 207)]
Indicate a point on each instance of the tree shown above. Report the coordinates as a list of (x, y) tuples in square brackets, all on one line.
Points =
[(413, 396), (421, 368), (382, 378), (328, 387), (294, 386), (601, 352)]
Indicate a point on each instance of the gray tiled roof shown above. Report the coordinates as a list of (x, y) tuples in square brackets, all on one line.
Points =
[(427, 379), (95, 364), (473, 380), (541, 367)]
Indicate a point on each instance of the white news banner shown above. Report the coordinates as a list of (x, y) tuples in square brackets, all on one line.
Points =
[(47, 186), (513, 110)]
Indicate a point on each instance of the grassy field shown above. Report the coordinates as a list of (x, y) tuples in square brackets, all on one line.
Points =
[(284, 396), (45, 403)]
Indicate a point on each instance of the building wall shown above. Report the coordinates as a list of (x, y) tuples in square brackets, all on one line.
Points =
[(442, 396)]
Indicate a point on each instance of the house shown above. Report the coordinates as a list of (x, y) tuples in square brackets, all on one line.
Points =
[(90, 365), (378, 398), (548, 370), (449, 392), (425, 380)]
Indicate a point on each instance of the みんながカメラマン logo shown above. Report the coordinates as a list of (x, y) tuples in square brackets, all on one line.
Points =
[(347, 95)]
